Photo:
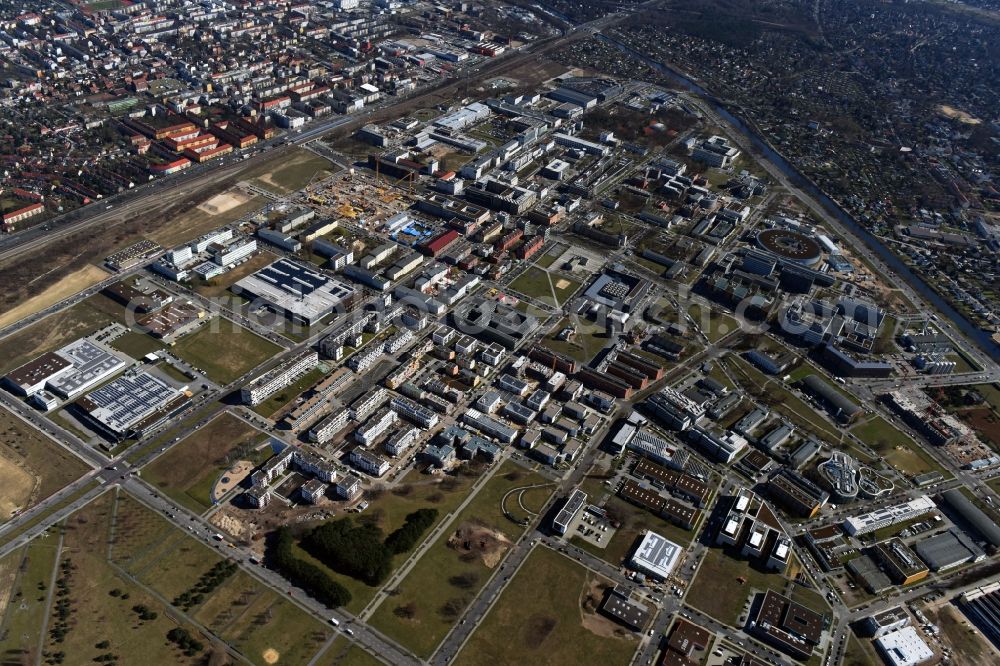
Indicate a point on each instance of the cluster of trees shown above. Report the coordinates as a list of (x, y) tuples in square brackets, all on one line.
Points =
[(303, 574), (144, 613), (63, 608), (183, 639), (353, 549), (358, 550), (406, 537), (207, 583)]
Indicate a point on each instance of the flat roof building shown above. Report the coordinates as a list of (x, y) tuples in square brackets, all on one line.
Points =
[(130, 404), (790, 627), (890, 515), (569, 511), (621, 607), (656, 556), (949, 549), (901, 563), (982, 606), (299, 292), (973, 515), (903, 647)]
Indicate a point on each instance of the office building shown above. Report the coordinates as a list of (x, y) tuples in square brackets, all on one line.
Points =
[(785, 625), (656, 556), (800, 496), (886, 621), (570, 510), (621, 607), (899, 562), (892, 515)]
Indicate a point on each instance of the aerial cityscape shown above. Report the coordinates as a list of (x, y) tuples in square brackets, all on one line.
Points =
[(400, 332)]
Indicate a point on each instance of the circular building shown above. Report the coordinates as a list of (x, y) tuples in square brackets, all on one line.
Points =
[(790, 245), (872, 485), (840, 475)]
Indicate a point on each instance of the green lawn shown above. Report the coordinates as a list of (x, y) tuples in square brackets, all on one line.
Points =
[(545, 287), (546, 615), (137, 344), (431, 597), (715, 325), (895, 447), (188, 471), (224, 350), (342, 652), (583, 346), (389, 510), (546, 260), (717, 589)]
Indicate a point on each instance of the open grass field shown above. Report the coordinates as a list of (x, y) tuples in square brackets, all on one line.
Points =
[(456, 566), (137, 345), (715, 325), (895, 447), (389, 510), (717, 589), (224, 350), (546, 615), (344, 653), (774, 394), (32, 466), (101, 601), (254, 619), (297, 170), (860, 652), (25, 578), (583, 346), (71, 284), (545, 287), (189, 470)]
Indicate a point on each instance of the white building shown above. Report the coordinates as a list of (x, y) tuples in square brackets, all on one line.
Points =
[(903, 647), (279, 377), (891, 515), (369, 462), (656, 556)]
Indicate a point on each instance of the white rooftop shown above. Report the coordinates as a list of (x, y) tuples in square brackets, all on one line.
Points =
[(903, 647), (656, 555)]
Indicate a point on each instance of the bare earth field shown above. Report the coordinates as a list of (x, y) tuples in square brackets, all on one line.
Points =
[(32, 466), (64, 288), (223, 208)]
